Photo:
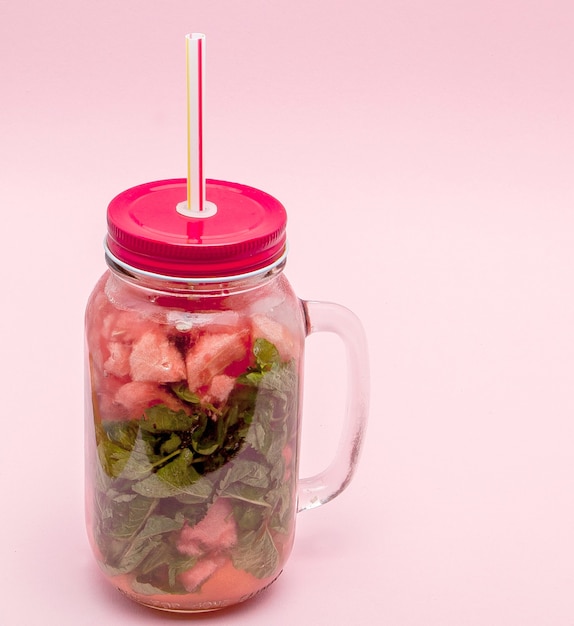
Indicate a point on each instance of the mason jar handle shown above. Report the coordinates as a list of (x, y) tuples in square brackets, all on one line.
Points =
[(334, 318)]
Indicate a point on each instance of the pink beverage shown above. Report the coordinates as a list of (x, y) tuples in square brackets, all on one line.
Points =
[(195, 343)]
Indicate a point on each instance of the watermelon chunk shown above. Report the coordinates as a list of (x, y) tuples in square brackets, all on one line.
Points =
[(105, 390), (154, 359), (217, 530), (219, 389), (118, 363), (193, 578), (211, 355), (125, 326), (134, 397)]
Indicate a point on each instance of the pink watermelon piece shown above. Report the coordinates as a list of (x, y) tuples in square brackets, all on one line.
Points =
[(106, 388), (193, 578), (219, 389), (126, 326), (264, 327), (137, 396), (116, 328), (154, 359), (118, 363), (211, 355), (217, 530)]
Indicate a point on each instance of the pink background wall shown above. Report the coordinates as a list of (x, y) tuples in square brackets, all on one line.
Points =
[(425, 153)]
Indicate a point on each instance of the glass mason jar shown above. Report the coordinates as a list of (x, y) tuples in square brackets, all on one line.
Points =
[(195, 343)]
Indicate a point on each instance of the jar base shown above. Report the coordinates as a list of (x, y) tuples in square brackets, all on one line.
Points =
[(206, 606)]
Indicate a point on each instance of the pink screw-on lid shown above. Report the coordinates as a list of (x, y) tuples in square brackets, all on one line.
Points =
[(147, 233)]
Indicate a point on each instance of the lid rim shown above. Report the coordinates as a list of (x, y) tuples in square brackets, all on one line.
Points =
[(280, 260), (146, 232)]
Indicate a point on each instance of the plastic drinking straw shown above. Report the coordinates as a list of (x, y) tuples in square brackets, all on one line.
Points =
[(196, 204)]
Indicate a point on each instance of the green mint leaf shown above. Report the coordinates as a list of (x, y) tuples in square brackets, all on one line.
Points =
[(248, 517), (281, 382), (247, 472), (145, 589), (144, 546), (276, 398), (140, 461), (112, 457), (210, 436), (158, 525), (232, 416), (171, 444), (115, 441), (258, 438), (182, 391), (251, 379), (122, 433), (256, 553), (176, 478), (281, 499), (159, 558), (205, 448), (246, 493), (159, 418), (133, 557), (118, 496), (123, 519), (179, 472), (266, 354)]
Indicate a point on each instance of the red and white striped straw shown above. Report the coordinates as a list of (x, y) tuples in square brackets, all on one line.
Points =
[(196, 205), (195, 64)]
